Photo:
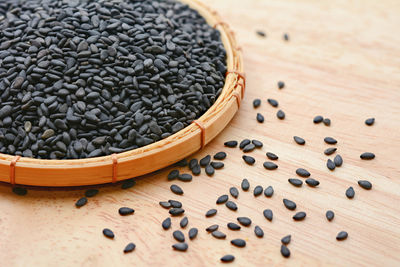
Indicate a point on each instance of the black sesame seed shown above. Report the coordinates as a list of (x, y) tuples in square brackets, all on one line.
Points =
[(180, 246), (270, 165), (248, 159), (338, 160), (238, 242), (179, 236), (367, 155), (256, 103), (125, 211), (286, 37), (260, 118), (228, 258), (210, 170), (257, 143), (261, 33), (286, 239), (205, 161), (268, 214), (341, 236), (231, 205), (234, 192), (91, 192), (258, 231), (303, 172), (176, 189), (196, 170), (20, 191), (350, 192), (281, 85), (312, 182), (330, 151), (193, 233), (244, 143), (184, 222), (219, 235), (108, 233), (250, 147), (176, 211), (129, 248), (231, 144), (185, 177), (327, 122), (299, 140), (211, 212), (166, 224), (330, 164), (173, 175), (222, 199), (269, 191), (365, 184), (175, 203), (318, 119), (271, 156), (290, 205), (273, 102), (245, 221), (370, 121), (81, 202), (330, 140), (182, 163), (128, 184), (299, 216), (220, 155), (233, 226), (165, 204), (280, 115), (295, 182), (212, 228), (329, 215), (285, 251), (245, 184), (257, 190), (217, 165)]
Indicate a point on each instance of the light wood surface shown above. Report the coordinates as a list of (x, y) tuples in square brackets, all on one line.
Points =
[(342, 62)]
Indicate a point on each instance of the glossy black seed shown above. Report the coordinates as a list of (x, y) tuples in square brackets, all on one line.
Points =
[(330, 140), (185, 177), (327, 122), (273, 102), (260, 118), (261, 33), (295, 182), (182, 163), (258, 231), (330, 164), (20, 191), (281, 85), (367, 155), (350, 192), (196, 170), (285, 251), (220, 155), (257, 190), (238, 243), (180, 246), (193, 163), (108, 233), (129, 248), (338, 160), (303, 172), (299, 140), (176, 211), (250, 147), (244, 143), (231, 205), (222, 199), (234, 192), (205, 161), (245, 221), (219, 235), (318, 119), (165, 204), (125, 211), (271, 156), (175, 203), (286, 37), (342, 236), (268, 214), (228, 258), (270, 165), (128, 184), (193, 233), (179, 236), (91, 192), (212, 228), (248, 159), (330, 151), (210, 170), (233, 226), (312, 182), (231, 143), (184, 222), (256, 103), (365, 184), (290, 205), (173, 175), (280, 115), (176, 189), (257, 143), (81, 202), (286, 239), (299, 216), (217, 165), (166, 224), (211, 212), (245, 184), (329, 215), (269, 191), (370, 121)]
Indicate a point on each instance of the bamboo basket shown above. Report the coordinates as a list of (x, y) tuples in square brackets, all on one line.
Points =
[(147, 159)]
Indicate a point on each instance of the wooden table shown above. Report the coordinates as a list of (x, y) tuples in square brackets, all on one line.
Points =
[(343, 62)]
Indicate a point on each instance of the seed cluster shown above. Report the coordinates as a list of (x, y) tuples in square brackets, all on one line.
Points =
[(81, 79)]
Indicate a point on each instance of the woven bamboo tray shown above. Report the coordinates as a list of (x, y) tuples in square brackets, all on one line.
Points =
[(144, 160)]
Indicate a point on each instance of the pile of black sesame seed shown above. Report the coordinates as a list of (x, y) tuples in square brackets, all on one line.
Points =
[(83, 79)]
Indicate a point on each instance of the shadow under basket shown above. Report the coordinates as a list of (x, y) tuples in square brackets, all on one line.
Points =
[(147, 159)]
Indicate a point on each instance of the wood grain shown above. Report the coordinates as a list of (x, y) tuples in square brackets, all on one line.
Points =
[(342, 62)]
